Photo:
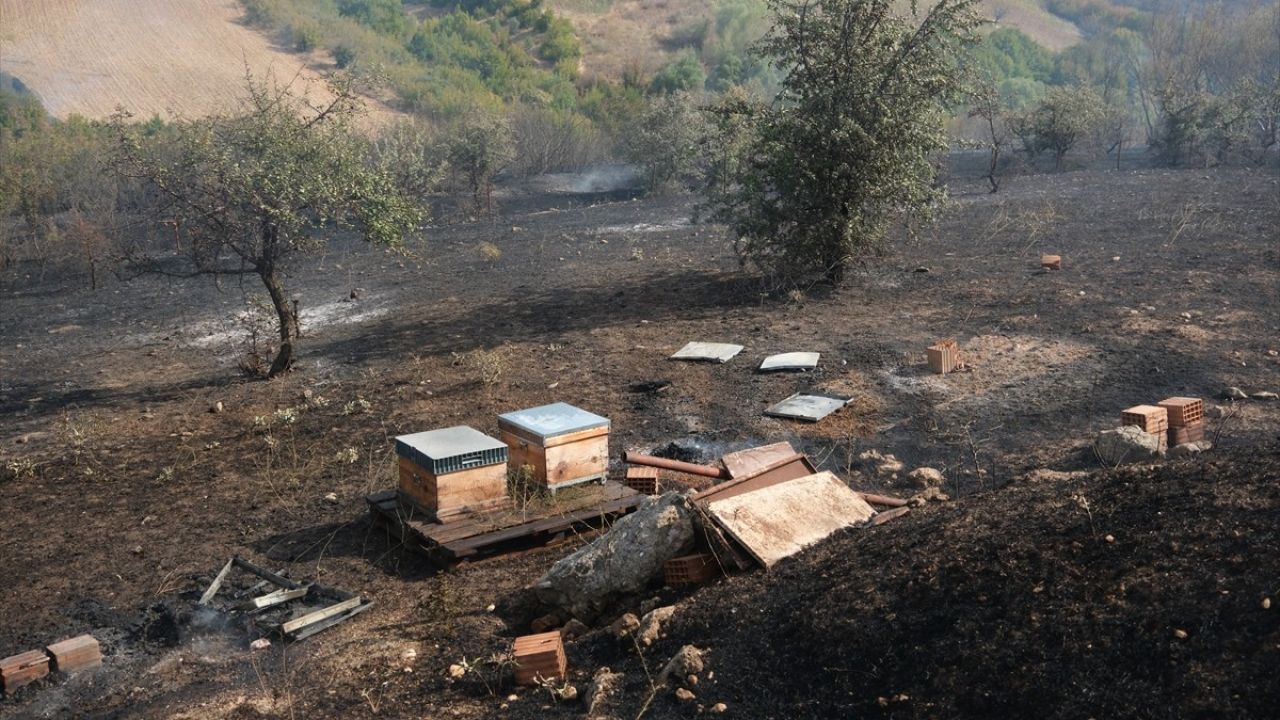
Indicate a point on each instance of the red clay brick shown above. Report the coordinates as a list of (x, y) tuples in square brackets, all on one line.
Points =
[(77, 653), (1183, 410), (1148, 418), (540, 656), (23, 668)]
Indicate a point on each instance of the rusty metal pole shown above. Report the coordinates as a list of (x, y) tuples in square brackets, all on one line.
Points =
[(690, 468)]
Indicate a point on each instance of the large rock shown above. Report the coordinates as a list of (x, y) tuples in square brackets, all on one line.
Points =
[(622, 561), (1127, 445), (688, 661)]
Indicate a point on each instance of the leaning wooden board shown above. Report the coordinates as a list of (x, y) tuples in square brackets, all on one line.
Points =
[(780, 520)]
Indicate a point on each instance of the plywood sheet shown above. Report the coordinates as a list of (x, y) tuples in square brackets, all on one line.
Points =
[(790, 361), (778, 521), (753, 460), (712, 352), (810, 407)]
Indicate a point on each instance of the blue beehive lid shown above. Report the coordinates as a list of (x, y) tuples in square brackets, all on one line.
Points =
[(546, 421), (451, 449)]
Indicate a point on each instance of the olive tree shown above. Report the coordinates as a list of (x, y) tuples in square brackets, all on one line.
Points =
[(248, 191), (846, 146)]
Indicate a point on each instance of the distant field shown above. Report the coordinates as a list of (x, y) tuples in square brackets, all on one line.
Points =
[(166, 57), (617, 34)]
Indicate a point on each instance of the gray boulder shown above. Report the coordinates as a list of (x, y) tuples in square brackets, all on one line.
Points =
[(1128, 445), (623, 560)]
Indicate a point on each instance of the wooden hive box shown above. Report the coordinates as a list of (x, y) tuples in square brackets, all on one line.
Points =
[(23, 668), (1183, 411), (943, 356), (77, 653), (690, 570), (563, 445), (540, 657), (1148, 418), (449, 471)]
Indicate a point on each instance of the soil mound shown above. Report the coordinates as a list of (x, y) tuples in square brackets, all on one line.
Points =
[(1132, 593)]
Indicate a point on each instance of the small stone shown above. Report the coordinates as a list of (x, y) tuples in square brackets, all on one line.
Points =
[(574, 629), (217, 407), (260, 644), (513, 697), (137, 549), (926, 477), (490, 607), (1180, 634), (331, 498), (684, 695), (1235, 393), (933, 494), (1115, 258), (568, 693), (1110, 538), (691, 680), (457, 672), (625, 625), (651, 624), (1265, 396), (719, 708), (687, 661), (1266, 603)]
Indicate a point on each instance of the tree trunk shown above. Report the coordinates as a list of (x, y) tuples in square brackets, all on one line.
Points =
[(288, 322)]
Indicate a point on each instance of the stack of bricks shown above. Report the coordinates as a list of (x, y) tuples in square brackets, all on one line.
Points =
[(540, 658), (690, 570), (1150, 419), (75, 654), (642, 479), (1186, 419), (944, 356), (22, 669)]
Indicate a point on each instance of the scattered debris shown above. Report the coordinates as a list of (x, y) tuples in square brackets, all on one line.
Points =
[(625, 625), (562, 444), (687, 661), (539, 658), (925, 477), (881, 465), (1051, 262), (710, 352), (790, 361), (810, 407), (1234, 393), (651, 624), (752, 461), (884, 517), (331, 498), (260, 644), (310, 607), (603, 692), (623, 560), (1265, 395), (779, 520), (932, 494), (685, 695)]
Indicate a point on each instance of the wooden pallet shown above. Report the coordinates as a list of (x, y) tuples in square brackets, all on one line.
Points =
[(509, 527)]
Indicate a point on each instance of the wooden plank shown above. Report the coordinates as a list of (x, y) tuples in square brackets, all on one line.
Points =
[(311, 618), (753, 461), (330, 622), (217, 583), (274, 598), (795, 467), (884, 517), (279, 580), (540, 526), (780, 520)]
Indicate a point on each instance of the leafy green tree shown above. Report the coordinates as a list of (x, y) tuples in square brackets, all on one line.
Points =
[(683, 73), (250, 191), (1063, 118), (663, 140), (987, 104), (846, 147), (478, 146), (384, 16)]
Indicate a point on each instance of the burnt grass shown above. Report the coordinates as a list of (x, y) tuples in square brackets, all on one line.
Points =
[(121, 493)]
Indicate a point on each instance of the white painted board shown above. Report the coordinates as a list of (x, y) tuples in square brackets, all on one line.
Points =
[(712, 352), (790, 361)]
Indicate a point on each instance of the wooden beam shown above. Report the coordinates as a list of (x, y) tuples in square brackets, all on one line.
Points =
[(330, 622), (274, 598), (217, 583), (266, 574), (297, 624)]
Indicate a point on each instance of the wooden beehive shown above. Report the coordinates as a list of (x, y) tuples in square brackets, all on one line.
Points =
[(446, 472), (77, 653), (23, 668), (690, 570), (1148, 418), (562, 445), (540, 657), (1183, 410), (943, 356), (1051, 262)]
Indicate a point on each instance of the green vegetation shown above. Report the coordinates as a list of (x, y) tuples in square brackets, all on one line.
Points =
[(846, 149)]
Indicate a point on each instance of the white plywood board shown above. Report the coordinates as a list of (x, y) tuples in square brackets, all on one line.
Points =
[(790, 361), (810, 407), (780, 520), (707, 351)]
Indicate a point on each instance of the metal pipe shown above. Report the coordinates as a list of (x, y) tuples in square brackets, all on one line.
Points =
[(676, 465)]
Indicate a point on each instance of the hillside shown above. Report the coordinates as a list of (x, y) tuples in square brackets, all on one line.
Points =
[(166, 57)]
